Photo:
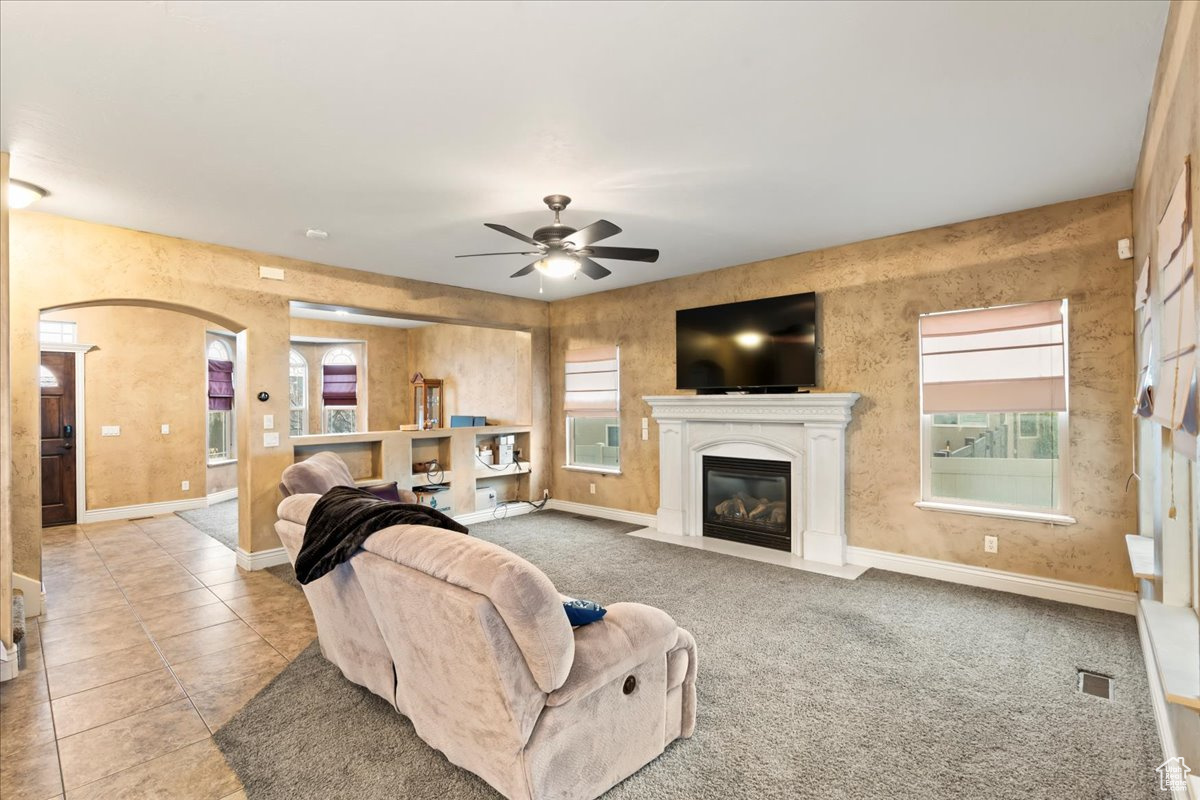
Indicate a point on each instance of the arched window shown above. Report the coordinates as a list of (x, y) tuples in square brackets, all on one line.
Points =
[(220, 401), (297, 394), (339, 391), (340, 356), (219, 350)]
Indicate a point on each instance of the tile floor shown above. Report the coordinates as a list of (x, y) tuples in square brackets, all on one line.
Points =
[(151, 640)]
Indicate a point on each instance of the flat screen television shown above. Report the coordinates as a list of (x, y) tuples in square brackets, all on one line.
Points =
[(759, 345)]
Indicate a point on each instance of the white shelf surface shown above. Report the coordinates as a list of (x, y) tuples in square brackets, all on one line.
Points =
[(1141, 555)]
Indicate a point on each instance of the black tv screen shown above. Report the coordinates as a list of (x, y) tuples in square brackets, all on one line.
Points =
[(758, 344)]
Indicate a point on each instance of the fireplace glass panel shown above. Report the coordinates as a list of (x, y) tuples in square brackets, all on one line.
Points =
[(748, 500)]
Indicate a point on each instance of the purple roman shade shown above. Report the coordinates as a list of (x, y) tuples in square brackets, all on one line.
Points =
[(340, 385), (220, 385)]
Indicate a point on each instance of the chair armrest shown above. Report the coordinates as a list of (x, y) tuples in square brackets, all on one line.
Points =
[(628, 636), (297, 507)]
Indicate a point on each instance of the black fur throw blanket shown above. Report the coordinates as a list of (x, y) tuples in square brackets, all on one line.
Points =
[(343, 519)]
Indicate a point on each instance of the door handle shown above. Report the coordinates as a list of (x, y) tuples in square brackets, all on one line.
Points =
[(67, 446)]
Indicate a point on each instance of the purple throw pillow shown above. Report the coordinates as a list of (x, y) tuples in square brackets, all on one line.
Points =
[(385, 491)]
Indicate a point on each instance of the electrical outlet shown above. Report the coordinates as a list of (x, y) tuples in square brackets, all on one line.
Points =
[(592, 488), (186, 486), (545, 494), (165, 428), (991, 544)]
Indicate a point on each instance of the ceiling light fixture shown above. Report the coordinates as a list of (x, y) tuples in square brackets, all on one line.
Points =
[(316, 233), (558, 265), (22, 194)]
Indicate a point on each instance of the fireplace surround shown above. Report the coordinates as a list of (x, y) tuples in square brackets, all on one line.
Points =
[(805, 432)]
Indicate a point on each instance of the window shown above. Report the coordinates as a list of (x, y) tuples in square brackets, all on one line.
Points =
[(54, 332), (994, 411), (297, 394), (220, 402), (339, 391), (592, 409)]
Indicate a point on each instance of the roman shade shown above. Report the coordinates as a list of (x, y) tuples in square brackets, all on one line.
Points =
[(339, 385), (1009, 358), (592, 382), (220, 385), (1174, 402)]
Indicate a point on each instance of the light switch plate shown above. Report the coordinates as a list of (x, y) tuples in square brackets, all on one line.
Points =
[(270, 440), (166, 428), (270, 273), (110, 430), (269, 421)]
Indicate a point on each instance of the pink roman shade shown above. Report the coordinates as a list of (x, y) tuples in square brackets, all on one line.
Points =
[(220, 385), (1010, 358), (592, 382), (339, 385)]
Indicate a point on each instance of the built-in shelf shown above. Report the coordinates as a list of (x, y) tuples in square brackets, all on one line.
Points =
[(1174, 633), (1141, 555), (482, 472)]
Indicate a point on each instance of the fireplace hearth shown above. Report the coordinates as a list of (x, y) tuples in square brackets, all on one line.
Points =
[(748, 500)]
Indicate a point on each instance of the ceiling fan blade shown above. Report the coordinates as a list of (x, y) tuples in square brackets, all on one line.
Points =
[(624, 253), (515, 234), (525, 270), (601, 229), (510, 253), (592, 269)]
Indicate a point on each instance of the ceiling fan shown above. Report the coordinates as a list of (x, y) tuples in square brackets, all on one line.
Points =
[(563, 251)]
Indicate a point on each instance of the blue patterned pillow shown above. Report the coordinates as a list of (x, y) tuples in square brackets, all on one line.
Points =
[(583, 612)]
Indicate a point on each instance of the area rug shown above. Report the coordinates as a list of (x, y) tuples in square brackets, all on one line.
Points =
[(220, 521), (809, 687)]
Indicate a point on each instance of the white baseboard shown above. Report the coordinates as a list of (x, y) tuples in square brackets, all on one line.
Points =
[(489, 514), (620, 514), (35, 595), (261, 559), (222, 496), (1158, 699), (143, 510), (1046, 588)]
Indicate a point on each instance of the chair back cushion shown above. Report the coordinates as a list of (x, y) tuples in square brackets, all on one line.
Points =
[(315, 475), (523, 596)]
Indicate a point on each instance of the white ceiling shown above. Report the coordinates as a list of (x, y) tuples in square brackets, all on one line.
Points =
[(719, 133)]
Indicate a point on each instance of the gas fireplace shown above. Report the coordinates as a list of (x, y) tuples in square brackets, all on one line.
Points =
[(747, 500)]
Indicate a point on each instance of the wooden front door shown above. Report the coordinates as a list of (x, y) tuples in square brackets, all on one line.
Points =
[(58, 438)]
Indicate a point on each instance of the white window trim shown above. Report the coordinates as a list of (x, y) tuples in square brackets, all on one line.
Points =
[(585, 468), (303, 407), (1055, 516)]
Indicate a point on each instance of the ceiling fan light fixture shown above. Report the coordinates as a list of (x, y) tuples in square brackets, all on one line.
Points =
[(22, 194), (558, 265)]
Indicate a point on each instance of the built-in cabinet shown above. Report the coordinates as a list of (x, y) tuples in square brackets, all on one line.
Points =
[(405, 457)]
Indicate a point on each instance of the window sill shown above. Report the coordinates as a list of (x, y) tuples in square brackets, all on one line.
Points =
[(1002, 513), (220, 462), (1174, 634), (601, 470)]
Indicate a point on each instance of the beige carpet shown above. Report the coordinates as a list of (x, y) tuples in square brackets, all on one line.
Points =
[(809, 687)]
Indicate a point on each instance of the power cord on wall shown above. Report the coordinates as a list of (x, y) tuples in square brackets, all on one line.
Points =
[(501, 509)]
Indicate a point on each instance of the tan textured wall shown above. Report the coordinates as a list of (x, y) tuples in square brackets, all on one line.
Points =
[(147, 369), (387, 369), (870, 294), (487, 372), (1172, 135), (221, 477), (58, 262)]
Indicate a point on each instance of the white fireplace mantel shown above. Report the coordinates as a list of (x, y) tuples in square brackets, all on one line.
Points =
[(807, 430)]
